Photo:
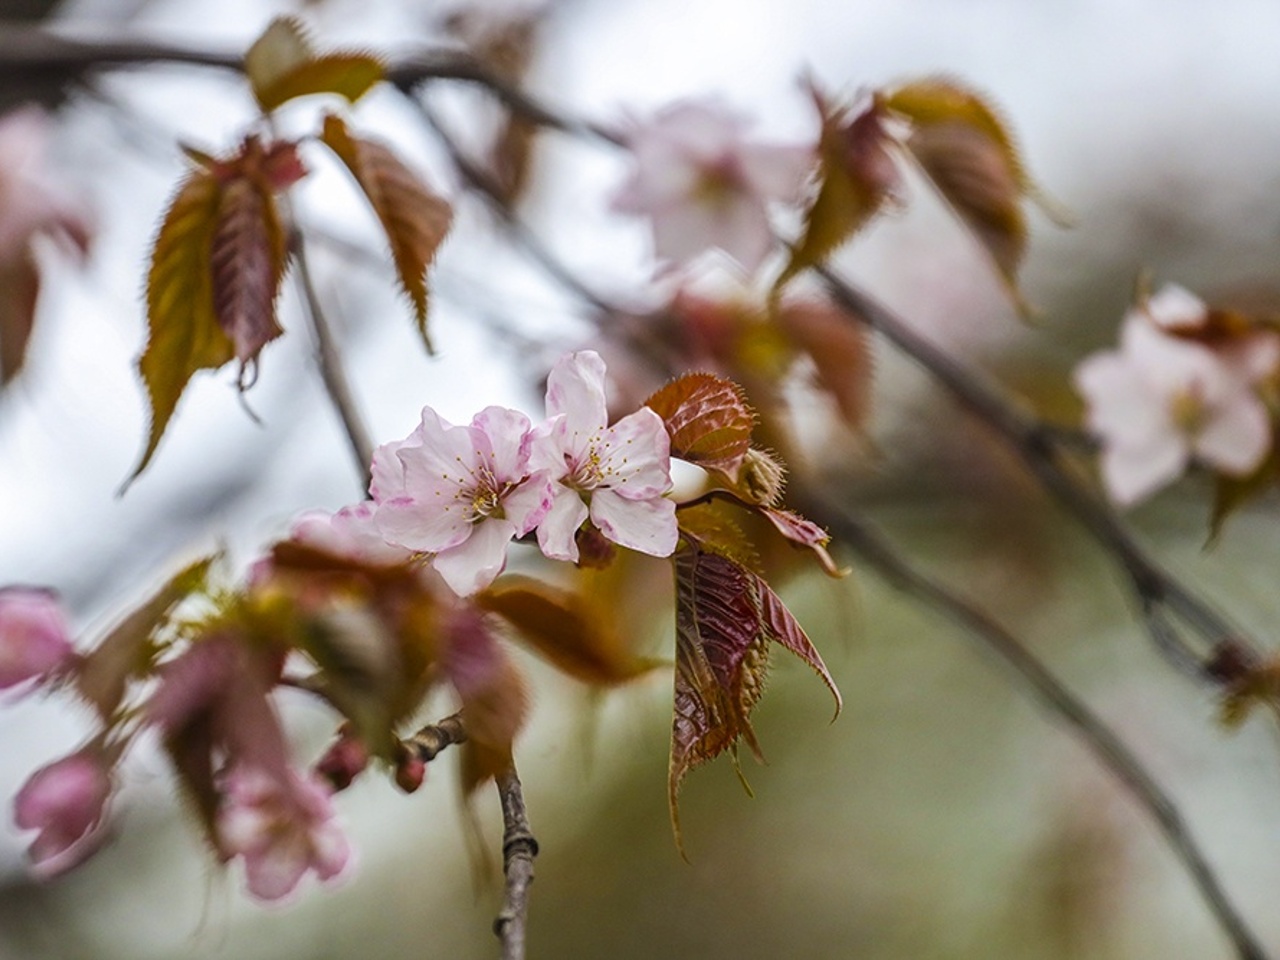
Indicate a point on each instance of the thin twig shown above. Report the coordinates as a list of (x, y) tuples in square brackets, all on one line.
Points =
[(428, 742), (1059, 702), (519, 848), (329, 360)]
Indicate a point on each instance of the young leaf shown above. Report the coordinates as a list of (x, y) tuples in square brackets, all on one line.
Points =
[(1230, 493), (857, 175), (414, 219), (726, 616), (19, 290), (248, 261), (708, 420), (804, 532), (282, 65), (840, 349), (185, 333), (964, 148), (568, 629)]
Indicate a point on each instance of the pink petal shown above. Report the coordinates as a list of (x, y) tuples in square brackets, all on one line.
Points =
[(1175, 308), (777, 172), (66, 802), (434, 524), (556, 533), (386, 471), (505, 435), (1236, 437), (1134, 472), (34, 640), (648, 526), (476, 562), (443, 463), (636, 461), (575, 389), (527, 504)]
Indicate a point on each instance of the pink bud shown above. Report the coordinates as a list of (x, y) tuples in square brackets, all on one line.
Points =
[(34, 641), (65, 802), (345, 760)]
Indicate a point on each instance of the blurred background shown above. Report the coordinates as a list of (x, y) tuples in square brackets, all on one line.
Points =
[(941, 815)]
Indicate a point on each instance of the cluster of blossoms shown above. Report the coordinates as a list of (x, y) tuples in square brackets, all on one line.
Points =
[(1187, 384), (279, 821), (461, 494)]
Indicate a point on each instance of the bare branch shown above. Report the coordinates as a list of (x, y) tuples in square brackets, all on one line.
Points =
[(519, 848), (428, 742), (1060, 703)]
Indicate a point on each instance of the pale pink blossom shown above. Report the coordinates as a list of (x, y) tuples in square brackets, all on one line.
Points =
[(465, 492), (1160, 401), (30, 202), (352, 532), (616, 476), (283, 827), (65, 801), (34, 641), (704, 185)]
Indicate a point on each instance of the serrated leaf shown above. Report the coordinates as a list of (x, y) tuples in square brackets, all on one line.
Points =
[(19, 290), (711, 527), (574, 634), (805, 533), (283, 47), (857, 175), (965, 149), (726, 616), (248, 259), (708, 421), (185, 335), (127, 651), (414, 219), (840, 349)]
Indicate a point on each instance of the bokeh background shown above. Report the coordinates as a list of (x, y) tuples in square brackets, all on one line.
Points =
[(941, 815)]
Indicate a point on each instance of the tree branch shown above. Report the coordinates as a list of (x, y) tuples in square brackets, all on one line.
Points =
[(519, 848), (1060, 703)]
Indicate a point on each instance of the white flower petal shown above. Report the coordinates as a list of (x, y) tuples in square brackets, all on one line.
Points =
[(1237, 437), (575, 390), (558, 527), (635, 456), (476, 562), (648, 526)]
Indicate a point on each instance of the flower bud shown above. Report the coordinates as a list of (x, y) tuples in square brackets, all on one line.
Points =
[(761, 478), (65, 802), (34, 641)]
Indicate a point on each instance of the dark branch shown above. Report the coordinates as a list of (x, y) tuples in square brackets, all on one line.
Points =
[(519, 848)]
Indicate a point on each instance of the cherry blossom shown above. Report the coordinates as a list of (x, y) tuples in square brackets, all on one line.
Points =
[(352, 532), (1160, 401), (615, 475), (65, 801), (465, 492), (703, 184), (29, 202), (34, 641), (282, 827)]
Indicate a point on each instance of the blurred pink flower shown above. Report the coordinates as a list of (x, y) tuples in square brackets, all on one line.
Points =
[(464, 494), (616, 475), (30, 202), (65, 801), (352, 532), (34, 641), (1161, 400), (282, 827), (703, 184)]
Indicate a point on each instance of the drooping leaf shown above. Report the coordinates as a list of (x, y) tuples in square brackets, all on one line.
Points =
[(282, 65), (840, 349), (708, 420), (128, 650), (726, 617), (1230, 493), (965, 149), (414, 219), (804, 532), (573, 633), (19, 290), (185, 335), (248, 258), (857, 175)]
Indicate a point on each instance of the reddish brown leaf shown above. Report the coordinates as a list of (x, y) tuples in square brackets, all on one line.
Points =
[(708, 420), (568, 629), (965, 149), (19, 290), (804, 532), (282, 65), (128, 650), (857, 175), (185, 335), (840, 349), (414, 219), (726, 616), (248, 258)]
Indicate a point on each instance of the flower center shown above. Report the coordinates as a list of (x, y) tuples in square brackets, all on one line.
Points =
[(1188, 409)]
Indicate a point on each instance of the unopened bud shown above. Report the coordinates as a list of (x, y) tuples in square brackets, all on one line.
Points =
[(411, 769), (761, 477), (345, 760)]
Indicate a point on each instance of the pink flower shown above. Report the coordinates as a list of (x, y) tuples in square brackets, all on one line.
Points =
[(704, 185), (34, 641), (1161, 400), (352, 532), (29, 202), (282, 828), (465, 492), (615, 475), (65, 801)]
